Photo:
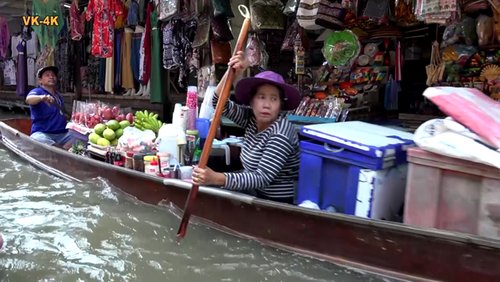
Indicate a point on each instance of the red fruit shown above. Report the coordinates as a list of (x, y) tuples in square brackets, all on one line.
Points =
[(116, 110), (130, 118), (107, 114), (120, 117)]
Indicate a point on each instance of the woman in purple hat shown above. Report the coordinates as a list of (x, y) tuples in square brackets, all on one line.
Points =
[(270, 154)]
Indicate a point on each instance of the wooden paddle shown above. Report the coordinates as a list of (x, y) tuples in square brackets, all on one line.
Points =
[(207, 147)]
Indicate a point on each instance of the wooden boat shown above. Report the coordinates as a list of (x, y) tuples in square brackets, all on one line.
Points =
[(385, 248)]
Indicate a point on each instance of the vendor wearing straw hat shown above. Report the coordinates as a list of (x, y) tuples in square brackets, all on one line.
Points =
[(270, 154)]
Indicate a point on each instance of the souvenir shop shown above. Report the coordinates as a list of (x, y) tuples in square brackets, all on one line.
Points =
[(351, 59)]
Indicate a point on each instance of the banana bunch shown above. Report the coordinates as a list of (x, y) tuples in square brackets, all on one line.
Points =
[(147, 120)]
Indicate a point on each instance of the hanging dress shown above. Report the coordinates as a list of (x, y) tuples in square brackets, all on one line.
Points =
[(22, 70), (156, 67), (76, 21), (127, 77), (48, 34), (103, 12), (146, 75)]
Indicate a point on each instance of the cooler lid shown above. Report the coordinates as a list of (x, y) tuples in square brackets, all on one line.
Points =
[(365, 138)]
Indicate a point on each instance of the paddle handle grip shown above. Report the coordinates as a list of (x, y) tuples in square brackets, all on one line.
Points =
[(223, 97)]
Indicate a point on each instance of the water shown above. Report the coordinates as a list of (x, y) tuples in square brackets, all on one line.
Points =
[(57, 230)]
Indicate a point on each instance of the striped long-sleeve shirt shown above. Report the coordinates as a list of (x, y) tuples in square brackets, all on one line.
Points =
[(270, 158)]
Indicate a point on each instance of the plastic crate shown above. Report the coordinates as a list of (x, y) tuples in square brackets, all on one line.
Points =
[(452, 194)]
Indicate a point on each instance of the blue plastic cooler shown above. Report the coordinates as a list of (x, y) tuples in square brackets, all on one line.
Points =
[(345, 163)]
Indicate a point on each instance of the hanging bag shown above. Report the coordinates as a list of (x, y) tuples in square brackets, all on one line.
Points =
[(202, 29), (330, 14), (221, 30), (222, 8), (267, 14), (307, 13), (291, 34), (221, 52), (435, 70)]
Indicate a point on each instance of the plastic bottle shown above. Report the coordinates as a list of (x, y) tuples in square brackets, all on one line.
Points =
[(152, 167), (192, 104), (168, 144), (180, 115), (190, 147), (176, 116), (203, 126), (164, 162)]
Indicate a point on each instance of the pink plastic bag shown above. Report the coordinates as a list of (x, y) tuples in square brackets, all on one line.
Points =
[(470, 107)]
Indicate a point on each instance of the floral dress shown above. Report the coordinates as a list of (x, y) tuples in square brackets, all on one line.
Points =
[(104, 13)]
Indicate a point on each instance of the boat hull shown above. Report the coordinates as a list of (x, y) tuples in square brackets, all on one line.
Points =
[(391, 249)]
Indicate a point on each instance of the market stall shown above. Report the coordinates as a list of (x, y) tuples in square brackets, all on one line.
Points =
[(141, 83)]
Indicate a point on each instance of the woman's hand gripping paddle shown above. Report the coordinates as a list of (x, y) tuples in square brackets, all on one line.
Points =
[(207, 147)]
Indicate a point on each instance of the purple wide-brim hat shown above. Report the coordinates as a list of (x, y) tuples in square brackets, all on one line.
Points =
[(245, 87)]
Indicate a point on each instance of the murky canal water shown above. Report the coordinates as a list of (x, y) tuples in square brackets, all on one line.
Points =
[(57, 230)]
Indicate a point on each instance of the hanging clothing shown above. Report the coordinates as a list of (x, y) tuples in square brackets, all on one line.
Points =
[(31, 53), (46, 58), (22, 70), (121, 14), (147, 46), (142, 10), (117, 56), (177, 47), (127, 77), (136, 55), (109, 80), (187, 50), (133, 13), (172, 57), (103, 12), (31, 45), (32, 79), (141, 59), (9, 72), (4, 37), (76, 21), (102, 74), (156, 68), (62, 56), (90, 75), (48, 34)]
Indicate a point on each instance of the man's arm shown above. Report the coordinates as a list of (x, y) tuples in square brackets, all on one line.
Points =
[(35, 99)]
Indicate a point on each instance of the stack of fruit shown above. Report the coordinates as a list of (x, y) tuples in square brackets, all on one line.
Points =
[(107, 134), (147, 120)]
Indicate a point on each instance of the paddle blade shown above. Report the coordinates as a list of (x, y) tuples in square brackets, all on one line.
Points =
[(187, 212)]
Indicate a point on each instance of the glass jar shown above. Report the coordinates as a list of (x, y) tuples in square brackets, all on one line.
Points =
[(129, 160), (138, 162)]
